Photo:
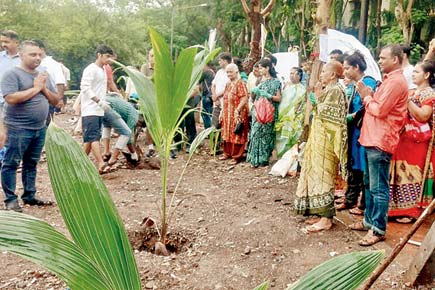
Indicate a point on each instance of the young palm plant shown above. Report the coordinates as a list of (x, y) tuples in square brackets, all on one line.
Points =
[(345, 272), (99, 256), (162, 102)]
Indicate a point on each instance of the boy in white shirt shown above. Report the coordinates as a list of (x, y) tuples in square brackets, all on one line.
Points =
[(93, 92)]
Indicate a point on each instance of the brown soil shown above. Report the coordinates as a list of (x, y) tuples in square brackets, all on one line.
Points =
[(233, 229)]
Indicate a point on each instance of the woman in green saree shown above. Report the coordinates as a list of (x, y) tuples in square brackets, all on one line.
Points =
[(290, 121), (326, 150)]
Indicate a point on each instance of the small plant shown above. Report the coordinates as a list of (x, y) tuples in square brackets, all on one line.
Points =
[(162, 103)]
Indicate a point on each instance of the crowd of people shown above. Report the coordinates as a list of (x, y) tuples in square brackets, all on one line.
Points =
[(376, 136)]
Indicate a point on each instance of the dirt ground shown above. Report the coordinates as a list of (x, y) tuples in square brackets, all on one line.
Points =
[(235, 222)]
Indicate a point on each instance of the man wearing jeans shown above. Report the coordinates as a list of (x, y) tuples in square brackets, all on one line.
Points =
[(27, 94), (123, 118), (383, 120)]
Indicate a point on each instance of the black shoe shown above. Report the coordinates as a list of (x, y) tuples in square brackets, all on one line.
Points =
[(13, 205), (172, 154), (151, 153), (38, 202)]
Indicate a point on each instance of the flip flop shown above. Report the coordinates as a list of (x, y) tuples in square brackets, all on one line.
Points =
[(315, 229), (312, 221), (405, 220), (356, 211), (341, 206), (358, 226), (224, 157), (111, 163), (106, 157), (104, 169), (370, 239), (340, 200)]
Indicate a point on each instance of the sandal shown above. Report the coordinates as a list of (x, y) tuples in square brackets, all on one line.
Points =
[(224, 157), (356, 211), (104, 169), (340, 200), (106, 157), (312, 221), (316, 228), (358, 226), (405, 220), (111, 163), (370, 239), (233, 162), (341, 206)]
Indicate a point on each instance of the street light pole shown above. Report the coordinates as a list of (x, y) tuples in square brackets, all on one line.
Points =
[(171, 45)]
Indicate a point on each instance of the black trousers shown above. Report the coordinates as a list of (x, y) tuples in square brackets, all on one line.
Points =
[(355, 185), (189, 126)]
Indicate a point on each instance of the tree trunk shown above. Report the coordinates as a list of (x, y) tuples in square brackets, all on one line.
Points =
[(378, 25), (404, 18), (256, 17), (225, 37), (302, 34), (322, 21), (362, 33)]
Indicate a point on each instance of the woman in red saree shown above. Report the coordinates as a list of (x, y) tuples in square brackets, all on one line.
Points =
[(414, 161), (235, 111)]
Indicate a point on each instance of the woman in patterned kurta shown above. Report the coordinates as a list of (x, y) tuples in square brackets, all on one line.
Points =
[(235, 110), (407, 199), (262, 136), (325, 151)]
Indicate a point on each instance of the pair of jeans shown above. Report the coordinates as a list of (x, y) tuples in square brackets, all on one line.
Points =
[(113, 120), (207, 109), (26, 146), (377, 189)]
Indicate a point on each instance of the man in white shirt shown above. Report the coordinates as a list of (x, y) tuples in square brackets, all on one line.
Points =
[(55, 74), (93, 93), (407, 67), (218, 86)]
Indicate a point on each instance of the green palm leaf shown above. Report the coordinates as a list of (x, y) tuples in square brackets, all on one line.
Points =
[(262, 286), (37, 241), (88, 211), (344, 272)]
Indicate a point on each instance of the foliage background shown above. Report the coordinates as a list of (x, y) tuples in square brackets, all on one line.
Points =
[(72, 29)]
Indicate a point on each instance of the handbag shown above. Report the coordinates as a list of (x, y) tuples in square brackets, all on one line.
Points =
[(238, 129), (264, 111), (417, 131)]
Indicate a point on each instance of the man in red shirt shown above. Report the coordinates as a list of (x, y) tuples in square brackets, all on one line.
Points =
[(384, 117)]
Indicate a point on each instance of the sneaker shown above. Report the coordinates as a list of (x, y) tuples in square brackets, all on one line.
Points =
[(172, 154), (38, 202), (13, 205), (151, 153)]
